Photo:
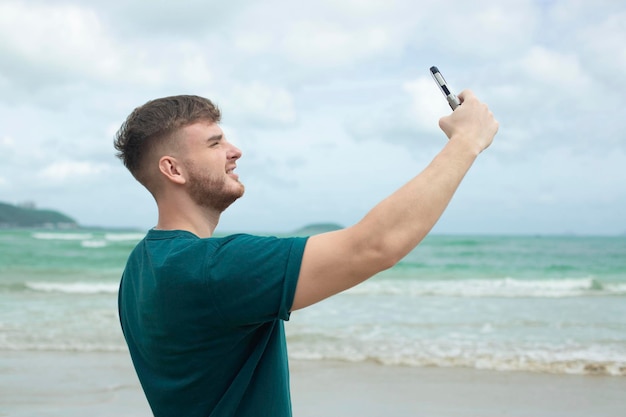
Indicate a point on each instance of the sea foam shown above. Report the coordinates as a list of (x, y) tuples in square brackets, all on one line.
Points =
[(504, 287), (561, 359), (62, 236), (74, 287)]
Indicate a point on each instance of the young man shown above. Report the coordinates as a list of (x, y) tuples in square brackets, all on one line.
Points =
[(203, 316)]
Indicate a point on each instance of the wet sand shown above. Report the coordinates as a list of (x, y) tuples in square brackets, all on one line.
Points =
[(104, 384)]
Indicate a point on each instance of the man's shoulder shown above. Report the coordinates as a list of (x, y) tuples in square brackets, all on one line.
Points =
[(261, 243), (166, 246)]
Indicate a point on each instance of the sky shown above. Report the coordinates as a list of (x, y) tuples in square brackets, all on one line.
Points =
[(331, 102)]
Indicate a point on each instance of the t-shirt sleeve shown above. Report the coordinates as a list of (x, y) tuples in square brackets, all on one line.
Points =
[(253, 279)]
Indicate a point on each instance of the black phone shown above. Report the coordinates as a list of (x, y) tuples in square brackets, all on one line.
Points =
[(453, 100)]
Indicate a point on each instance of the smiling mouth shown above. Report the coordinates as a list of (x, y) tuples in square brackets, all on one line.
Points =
[(231, 172)]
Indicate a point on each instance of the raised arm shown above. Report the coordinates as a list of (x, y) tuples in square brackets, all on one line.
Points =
[(336, 261)]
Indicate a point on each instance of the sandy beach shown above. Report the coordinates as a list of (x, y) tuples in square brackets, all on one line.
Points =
[(47, 384)]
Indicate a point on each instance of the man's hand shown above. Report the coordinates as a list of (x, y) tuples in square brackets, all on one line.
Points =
[(471, 122)]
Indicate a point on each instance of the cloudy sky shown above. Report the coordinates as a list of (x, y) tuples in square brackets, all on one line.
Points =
[(331, 102)]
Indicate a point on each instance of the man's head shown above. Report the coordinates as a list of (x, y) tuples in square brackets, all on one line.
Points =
[(177, 141)]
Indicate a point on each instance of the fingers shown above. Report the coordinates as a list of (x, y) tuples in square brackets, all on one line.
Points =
[(467, 93), (473, 122)]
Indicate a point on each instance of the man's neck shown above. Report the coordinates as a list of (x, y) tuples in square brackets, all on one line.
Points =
[(192, 218)]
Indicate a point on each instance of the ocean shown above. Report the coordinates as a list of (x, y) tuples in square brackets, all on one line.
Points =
[(549, 304)]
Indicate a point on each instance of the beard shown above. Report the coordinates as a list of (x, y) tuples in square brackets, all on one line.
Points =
[(212, 191)]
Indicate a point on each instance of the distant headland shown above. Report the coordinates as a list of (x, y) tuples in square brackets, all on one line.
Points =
[(317, 228), (27, 215)]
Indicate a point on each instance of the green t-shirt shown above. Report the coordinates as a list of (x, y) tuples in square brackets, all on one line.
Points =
[(203, 322)]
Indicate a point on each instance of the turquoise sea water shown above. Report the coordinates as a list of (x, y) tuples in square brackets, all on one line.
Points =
[(544, 304)]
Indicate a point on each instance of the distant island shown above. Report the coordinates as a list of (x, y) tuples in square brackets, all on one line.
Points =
[(316, 229), (27, 215)]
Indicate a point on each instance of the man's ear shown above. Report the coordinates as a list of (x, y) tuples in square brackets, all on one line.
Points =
[(172, 170)]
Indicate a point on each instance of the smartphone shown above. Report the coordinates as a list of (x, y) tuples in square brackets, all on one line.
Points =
[(453, 100)]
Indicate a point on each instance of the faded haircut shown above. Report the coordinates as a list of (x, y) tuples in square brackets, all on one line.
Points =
[(155, 122)]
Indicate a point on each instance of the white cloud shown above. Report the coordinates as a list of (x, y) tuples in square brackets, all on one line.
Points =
[(604, 46), (555, 70), (63, 38), (493, 29), (7, 142), (71, 170), (325, 35), (326, 45), (56, 47), (259, 104), (428, 104)]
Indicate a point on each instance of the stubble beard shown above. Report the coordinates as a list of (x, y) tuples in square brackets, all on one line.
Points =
[(212, 192)]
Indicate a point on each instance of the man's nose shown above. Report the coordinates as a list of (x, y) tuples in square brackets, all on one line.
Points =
[(234, 153)]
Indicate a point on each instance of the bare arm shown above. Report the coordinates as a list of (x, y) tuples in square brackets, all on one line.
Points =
[(336, 261)]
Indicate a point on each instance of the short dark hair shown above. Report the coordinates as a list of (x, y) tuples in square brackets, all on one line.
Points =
[(155, 121)]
